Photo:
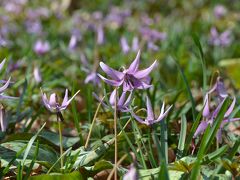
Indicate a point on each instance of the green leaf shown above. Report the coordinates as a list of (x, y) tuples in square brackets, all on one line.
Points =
[(182, 138), (70, 176), (9, 150)]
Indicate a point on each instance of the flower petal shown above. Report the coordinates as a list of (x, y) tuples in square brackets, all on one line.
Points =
[(143, 73), (111, 82), (206, 110), (135, 64), (68, 102), (65, 99), (202, 126), (112, 73), (230, 109), (150, 114), (144, 86), (53, 100), (5, 86), (122, 99), (113, 97), (137, 118), (162, 116), (2, 63)]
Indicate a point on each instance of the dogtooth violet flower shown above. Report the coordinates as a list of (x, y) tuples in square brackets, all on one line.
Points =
[(132, 173), (122, 103), (130, 78), (41, 47), (151, 119), (5, 86), (210, 116), (53, 105), (220, 39)]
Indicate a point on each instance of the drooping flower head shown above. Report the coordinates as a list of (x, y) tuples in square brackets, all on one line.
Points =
[(151, 118), (131, 174), (122, 103), (92, 76), (210, 113), (41, 47), (220, 39), (53, 105), (125, 46), (5, 86), (131, 78), (219, 11)]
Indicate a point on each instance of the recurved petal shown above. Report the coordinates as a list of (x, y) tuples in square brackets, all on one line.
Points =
[(128, 101), (68, 102), (206, 110), (2, 63), (137, 118), (150, 114), (144, 86), (113, 97), (143, 73), (112, 73), (202, 126), (65, 99), (122, 98), (53, 100), (162, 116), (2, 96), (135, 64), (5, 86), (111, 82), (230, 109)]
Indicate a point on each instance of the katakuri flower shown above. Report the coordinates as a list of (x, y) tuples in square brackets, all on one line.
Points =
[(132, 173), (41, 47), (210, 116), (219, 11), (122, 103), (151, 119), (130, 78), (126, 48), (5, 86), (220, 39), (53, 105)]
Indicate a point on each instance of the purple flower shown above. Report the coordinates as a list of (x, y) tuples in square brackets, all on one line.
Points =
[(151, 119), (210, 115), (219, 11), (122, 102), (131, 174), (100, 35), (125, 47), (37, 75), (130, 78), (41, 47), (92, 76), (53, 105), (5, 86), (151, 36), (75, 38), (224, 39)]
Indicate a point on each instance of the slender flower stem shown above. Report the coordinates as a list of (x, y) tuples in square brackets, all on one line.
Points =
[(94, 119), (115, 135), (60, 139)]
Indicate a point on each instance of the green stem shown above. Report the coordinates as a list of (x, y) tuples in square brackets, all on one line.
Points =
[(60, 140)]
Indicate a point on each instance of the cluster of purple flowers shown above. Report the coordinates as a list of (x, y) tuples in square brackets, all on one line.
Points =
[(131, 79), (210, 113)]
